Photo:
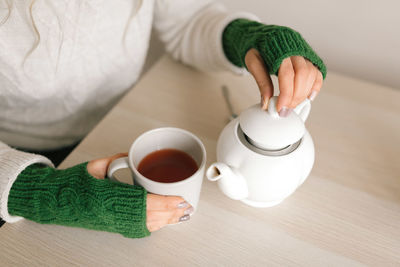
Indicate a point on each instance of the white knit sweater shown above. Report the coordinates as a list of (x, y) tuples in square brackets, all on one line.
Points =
[(53, 93)]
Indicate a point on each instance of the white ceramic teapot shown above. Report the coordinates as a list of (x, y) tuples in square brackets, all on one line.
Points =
[(262, 157)]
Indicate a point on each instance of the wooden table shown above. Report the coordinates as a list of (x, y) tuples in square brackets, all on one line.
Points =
[(347, 213)]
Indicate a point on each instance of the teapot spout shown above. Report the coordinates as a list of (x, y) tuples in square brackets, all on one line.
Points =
[(230, 181)]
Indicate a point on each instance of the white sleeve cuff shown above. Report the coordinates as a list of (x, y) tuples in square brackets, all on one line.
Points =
[(12, 163), (195, 38)]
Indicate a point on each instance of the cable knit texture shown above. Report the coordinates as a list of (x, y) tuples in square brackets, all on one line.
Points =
[(78, 70), (275, 43), (73, 197)]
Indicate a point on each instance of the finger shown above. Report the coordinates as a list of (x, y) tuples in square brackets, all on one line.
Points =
[(157, 225), (286, 86), (160, 202), (158, 219), (98, 167), (300, 95), (256, 66), (300, 80), (116, 156), (152, 227), (110, 160), (316, 86), (180, 215), (313, 71)]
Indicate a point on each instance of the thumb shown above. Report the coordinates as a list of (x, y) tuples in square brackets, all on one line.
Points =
[(256, 66), (98, 167)]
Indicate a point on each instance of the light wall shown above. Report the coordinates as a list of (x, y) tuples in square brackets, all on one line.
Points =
[(355, 37)]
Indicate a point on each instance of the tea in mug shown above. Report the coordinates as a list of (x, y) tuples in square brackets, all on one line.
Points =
[(167, 166)]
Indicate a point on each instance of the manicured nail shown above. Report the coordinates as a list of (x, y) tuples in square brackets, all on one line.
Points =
[(313, 95), (284, 112), (184, 218), (188, 211), (182, 205)]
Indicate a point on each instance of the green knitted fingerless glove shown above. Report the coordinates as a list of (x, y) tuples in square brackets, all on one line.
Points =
[(73, 197), (274, 43)]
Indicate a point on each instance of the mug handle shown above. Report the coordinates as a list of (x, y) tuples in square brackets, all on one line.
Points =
[(115, 165)]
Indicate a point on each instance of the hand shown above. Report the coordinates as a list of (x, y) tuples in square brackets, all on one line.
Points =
[(298, 79), (160, 210), (164, 210)]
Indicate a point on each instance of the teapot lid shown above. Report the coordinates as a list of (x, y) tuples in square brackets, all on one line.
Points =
[(266, 130)]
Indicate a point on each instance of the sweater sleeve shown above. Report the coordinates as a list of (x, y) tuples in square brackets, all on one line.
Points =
[(12, 163), (192, 32), (273, 42), (72, 197)]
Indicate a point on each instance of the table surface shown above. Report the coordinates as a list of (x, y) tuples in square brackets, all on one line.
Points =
[(347, 212)]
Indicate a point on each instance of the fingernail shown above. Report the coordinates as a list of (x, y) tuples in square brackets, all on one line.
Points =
[(184, 218), (313, 95), (182, 205), (188, 211), (284, 112)]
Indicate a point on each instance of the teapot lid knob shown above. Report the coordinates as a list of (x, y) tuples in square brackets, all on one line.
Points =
[(267, 130)]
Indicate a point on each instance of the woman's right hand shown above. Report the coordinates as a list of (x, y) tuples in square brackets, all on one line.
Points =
[(163, 210)]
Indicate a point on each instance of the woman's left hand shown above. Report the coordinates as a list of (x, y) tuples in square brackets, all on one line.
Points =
[(298, 79)]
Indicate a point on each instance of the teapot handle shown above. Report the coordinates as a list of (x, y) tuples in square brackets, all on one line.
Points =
[(302, 109)]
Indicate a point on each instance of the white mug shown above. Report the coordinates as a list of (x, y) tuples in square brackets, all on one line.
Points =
[(163, 138)]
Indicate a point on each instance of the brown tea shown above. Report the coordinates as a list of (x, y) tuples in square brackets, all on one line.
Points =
[(167, 166)]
